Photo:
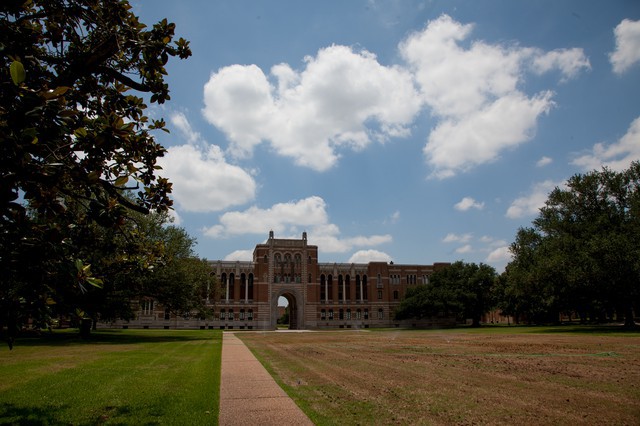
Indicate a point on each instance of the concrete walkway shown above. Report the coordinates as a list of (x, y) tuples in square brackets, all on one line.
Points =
[(248, 394)]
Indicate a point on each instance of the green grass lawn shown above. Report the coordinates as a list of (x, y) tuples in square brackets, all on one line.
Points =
[(115, 377)]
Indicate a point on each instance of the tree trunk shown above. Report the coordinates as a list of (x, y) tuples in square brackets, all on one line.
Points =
[(628, 317), (85, 328)]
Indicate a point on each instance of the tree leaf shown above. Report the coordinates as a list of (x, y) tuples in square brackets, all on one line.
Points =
[(96, 282), (18, 74), (122, 180)]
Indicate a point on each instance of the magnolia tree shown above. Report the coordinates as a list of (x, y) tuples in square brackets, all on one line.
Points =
[(75, 78)]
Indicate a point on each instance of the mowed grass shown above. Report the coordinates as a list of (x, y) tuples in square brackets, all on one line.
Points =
[(492, 375), (119, 377)]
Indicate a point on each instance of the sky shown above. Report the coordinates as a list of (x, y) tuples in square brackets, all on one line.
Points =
[(406, 131)]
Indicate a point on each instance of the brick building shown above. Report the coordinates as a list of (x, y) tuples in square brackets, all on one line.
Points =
[(319, 295)]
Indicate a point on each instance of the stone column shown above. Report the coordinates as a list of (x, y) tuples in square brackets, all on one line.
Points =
[(226, 285)]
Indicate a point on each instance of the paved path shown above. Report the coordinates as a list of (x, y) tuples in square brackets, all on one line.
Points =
[(248, 394)]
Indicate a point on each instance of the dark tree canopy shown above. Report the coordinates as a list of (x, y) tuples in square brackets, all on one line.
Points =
[(582, 252), (462, 289), (75, 137)]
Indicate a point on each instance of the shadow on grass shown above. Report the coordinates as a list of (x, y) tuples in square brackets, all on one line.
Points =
[(113, 337), (11, 414)]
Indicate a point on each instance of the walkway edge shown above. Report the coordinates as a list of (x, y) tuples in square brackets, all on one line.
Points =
[(248, 394)]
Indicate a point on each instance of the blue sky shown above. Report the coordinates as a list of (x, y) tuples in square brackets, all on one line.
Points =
[(412, 131)]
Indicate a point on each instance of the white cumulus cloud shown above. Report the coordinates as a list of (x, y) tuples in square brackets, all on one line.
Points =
[(544, 161), (468, 203), (500, 254), (474, 93), (366, 256), (343, 99), (457, 238), (568, 61), (617, 156), (530, 204), (310, 115), (203, 181), (241, 255), (464, 249), (288, 220), (627, 51)]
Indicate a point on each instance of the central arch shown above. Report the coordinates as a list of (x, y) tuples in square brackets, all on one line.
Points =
[(295, 309)]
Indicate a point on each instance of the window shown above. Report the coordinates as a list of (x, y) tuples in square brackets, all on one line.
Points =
[(330, 314), (222, 315), (379, 294), (340, 286), (223, 279), (323, 293), (379, 281), (380, 314), (341, 314), (323, 314), (395, 295), (347, 287), (250, 315), (250, 295), (348, 314), (366, 314), (167, 314), (231, 315), (243, 286), (358, 293), (365, 288), (147, 307), (241, 315), (358, 314)]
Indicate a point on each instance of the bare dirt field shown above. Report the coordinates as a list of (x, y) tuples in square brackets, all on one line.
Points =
[(456, 377)]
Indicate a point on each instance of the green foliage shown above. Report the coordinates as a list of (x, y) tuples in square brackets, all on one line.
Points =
[(75, 139), (146, 257), (581, 255), (463, 289)]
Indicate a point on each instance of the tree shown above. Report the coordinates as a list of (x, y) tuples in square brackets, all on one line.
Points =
[(426, 301), (73, 131), (463, 289), (150, 259), (586, 247), (524, 291)]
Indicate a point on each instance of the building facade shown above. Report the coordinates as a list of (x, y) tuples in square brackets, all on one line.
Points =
[(319, 295)]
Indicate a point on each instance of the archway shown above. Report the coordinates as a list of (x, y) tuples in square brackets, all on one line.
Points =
[(293, 310)]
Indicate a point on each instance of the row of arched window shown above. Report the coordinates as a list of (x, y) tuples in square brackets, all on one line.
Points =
[(229, 290), (344, 290)]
